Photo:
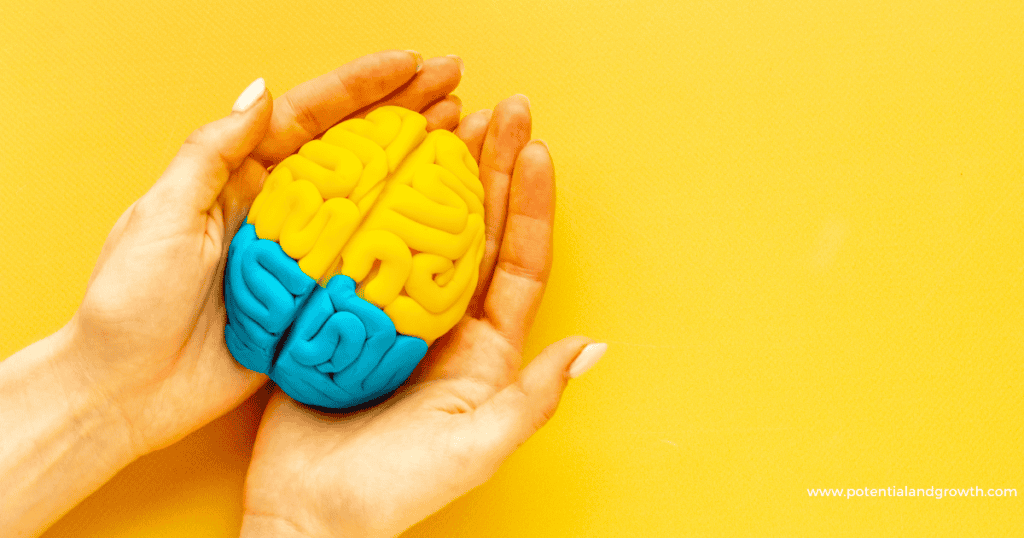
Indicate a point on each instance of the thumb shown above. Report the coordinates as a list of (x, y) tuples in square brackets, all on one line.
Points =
[(212, 152), (522, 408)]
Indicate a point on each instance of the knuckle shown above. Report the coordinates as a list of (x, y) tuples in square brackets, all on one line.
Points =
[(356, 93), (199, 137), (546, 412), (510, 122), (305, 117)]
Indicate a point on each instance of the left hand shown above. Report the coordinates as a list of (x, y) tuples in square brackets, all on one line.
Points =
[(149, 333)]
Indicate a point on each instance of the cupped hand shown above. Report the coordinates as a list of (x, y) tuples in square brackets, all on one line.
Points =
[(150, 330), (466, 408)]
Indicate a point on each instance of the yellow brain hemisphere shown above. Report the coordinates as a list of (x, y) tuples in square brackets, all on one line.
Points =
[(396, 209)]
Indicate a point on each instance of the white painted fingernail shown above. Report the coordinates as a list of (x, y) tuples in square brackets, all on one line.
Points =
[(462, 64), (249, 95), (586, 359), (419, 59)]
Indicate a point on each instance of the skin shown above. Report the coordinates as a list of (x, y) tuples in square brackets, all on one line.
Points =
[(468, 406), (143, 362)]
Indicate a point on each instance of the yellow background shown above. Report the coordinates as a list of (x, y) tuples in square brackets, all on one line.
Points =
[(799, 226)]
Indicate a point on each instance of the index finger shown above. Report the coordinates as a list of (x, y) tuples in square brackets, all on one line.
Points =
[(307, 110)]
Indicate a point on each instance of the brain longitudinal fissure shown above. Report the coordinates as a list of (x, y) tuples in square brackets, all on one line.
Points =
[(360, 250)]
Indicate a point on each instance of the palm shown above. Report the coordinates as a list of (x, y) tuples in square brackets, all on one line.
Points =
[(422, 448), (162, 326), (448, 427)]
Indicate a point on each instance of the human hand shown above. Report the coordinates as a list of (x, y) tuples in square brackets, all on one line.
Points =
[(466, 408), (150, 330)]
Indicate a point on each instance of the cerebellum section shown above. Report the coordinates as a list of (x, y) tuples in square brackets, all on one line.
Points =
[(360, 250), (343, 351)]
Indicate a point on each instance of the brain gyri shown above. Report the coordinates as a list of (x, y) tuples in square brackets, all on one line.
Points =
[(360, 250)]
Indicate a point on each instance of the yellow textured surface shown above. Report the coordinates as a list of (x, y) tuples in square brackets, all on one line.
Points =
[(396, 209), (800, 225)]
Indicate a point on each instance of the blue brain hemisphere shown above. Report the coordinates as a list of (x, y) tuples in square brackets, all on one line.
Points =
[(323, 346), (263, 291), (390, 217)]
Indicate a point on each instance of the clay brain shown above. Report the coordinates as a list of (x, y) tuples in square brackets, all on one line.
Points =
[(360, 250)]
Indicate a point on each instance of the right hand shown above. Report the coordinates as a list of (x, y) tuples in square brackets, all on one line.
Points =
[(466, 408)]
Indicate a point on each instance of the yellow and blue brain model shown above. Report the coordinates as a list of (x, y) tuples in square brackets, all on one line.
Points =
[(360, 250)]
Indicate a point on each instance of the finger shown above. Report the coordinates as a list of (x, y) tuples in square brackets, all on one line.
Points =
[(472, 130), (524, 260), (439, 77), (444, 114), (210, 154), (238, 194), (517, 411), (507, 134), (307, 110)]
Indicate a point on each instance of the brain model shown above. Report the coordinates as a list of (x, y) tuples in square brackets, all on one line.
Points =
[(360, 250)]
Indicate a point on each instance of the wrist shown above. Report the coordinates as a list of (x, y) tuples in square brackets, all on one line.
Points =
[(80, 370), (62, 440)]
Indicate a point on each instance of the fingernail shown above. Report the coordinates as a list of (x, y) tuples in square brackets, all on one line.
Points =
[(524, 98), (586, 359), (419, 59), (249, 95), (462, 64), (542, 142)]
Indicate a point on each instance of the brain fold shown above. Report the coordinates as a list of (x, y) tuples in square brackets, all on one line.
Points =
[(360, 250)]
